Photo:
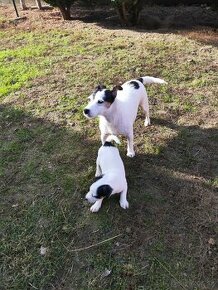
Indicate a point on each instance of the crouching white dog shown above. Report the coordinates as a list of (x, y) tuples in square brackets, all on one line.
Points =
[(110, 176), (117, 108)]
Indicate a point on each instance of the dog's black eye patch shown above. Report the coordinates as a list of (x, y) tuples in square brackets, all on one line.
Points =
[(104, 191), (134, 84), (140, 79), (109, 96), (108, 144)]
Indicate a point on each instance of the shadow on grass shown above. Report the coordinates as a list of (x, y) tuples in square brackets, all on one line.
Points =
[(44, 178), (166, 236), (199, 23)]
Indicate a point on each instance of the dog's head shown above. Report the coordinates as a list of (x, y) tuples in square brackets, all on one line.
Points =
[(98, 191), (100, 101)]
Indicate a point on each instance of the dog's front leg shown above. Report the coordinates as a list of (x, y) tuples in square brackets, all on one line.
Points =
[(123, 201), (130, 150), (96, 206), (98, 171)]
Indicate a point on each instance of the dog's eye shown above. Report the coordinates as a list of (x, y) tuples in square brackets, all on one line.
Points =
[(100, 102)]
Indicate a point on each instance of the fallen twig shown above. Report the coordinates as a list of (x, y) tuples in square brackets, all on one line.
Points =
[(94, 245), (168, 271)]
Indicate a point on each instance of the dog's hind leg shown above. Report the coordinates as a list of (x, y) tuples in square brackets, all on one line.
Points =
[(98, 171), (145, 107), (130, 150)]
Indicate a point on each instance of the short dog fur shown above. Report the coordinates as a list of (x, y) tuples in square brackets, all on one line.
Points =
[(117, 108), (110, 176)]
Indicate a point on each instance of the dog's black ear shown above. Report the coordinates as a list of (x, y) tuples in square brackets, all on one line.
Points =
[(100, 87), (118, 88), (104, 191), (115, 89), (98, 177)]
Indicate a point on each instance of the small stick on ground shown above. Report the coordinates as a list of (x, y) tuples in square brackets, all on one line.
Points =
[(167, 270), (94, 245)]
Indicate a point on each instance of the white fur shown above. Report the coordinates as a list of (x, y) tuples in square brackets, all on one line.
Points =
[(118, 117), (110, 165)]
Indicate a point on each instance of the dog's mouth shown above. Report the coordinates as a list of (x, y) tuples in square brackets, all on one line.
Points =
[(87, 116), (91, 200)]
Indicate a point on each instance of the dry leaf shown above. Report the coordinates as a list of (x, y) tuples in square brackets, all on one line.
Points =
[(43, 251), (211, 241), (106, 273)]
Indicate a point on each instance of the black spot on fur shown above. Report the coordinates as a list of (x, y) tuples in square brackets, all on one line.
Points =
[(98, 177), (140, 79), (104, 191), (108, 144), (135, 84), (109, 96)]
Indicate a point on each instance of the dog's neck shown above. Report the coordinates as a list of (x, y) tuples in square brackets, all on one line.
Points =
[(111, 112)]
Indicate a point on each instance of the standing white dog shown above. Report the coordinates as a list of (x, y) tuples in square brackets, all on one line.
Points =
[(110, 176), (117, 108)]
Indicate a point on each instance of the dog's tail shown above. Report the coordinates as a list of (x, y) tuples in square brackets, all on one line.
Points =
[(151, 80), (114, 138)]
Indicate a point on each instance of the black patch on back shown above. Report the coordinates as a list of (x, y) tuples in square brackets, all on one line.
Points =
[(135, 84), (109, 96), (98, 88), (108, 144), (140, 79), (104, 191), (98, 177)]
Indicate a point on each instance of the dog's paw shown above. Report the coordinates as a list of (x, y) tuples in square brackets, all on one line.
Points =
[(130, 154), (95, 208), (147, 122), (124, 204)]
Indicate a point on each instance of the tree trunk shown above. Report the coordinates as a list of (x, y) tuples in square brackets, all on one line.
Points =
[(122, 13), (65, 11), (23, 4), (135, 12), (38, 4), (129, 12)]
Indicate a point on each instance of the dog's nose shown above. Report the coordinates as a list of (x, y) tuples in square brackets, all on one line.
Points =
[(86, 111)]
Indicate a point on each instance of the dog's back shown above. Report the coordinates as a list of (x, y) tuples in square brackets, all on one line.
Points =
[(109, 157), (130, 97)]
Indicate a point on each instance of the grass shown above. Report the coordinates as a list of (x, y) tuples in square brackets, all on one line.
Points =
[(48, 151)]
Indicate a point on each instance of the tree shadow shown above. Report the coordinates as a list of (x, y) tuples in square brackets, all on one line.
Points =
[(193, 151), (184, 20), (176, 189), (46, 170), (38, 145)]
